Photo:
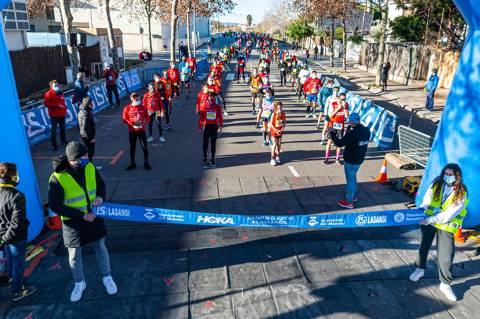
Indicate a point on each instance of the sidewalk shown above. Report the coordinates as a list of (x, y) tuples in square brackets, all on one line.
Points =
[(409, 97)]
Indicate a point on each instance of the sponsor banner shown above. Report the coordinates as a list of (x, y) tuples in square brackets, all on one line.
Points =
[(37, 121), (336, 220)]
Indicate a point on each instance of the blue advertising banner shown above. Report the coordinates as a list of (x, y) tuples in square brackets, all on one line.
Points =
[(37, 121), (335, 220)]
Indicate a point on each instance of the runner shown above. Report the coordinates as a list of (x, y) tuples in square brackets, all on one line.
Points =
[(167, 85), (241, 68), (153, 102), (328, 107), (185, 75), (255, 83), (311, 87), (265, 114), (211, 122), (336, 122), (192, 63), (277, 126), (174, 75), (282, 67), (136, 117), (302, 76), (325, 92)]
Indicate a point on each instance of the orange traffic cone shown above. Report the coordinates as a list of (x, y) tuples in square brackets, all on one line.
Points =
[(459, 238), (54, 221), (382, 176)]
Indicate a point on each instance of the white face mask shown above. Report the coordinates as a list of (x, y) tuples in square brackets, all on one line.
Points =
[(136, 102)]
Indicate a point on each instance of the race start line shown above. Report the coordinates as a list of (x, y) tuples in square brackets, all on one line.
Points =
[(335, 220)]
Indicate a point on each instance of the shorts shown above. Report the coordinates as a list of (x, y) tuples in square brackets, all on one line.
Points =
[(256, 95), (312, 98), (338, 134), (275, 135)]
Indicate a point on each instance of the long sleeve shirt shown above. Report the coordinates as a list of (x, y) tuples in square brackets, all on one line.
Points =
[(448, 214)]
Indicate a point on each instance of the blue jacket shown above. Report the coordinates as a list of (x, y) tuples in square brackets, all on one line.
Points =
[(81, 91), (432, 82), (323, 95)]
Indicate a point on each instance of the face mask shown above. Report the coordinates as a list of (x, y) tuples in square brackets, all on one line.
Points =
[(157, 79), (136, 102), (449, 179), (269, 99), (83, 162), (57, 88), (335, 93)]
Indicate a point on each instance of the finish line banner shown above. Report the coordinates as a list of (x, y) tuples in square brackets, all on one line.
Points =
[(336, 220)]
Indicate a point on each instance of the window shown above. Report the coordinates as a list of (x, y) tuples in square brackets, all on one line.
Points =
[(10, 25), (50, 13), (54, 28), (23, 25), (20, 6), (21, 16), (9, 15), (32, 28)]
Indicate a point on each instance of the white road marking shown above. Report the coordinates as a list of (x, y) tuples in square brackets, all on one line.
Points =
[(273, 78), (230, 76), (294, 171)]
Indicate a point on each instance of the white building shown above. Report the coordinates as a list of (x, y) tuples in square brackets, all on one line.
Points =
[(134, 30), (15, 22)]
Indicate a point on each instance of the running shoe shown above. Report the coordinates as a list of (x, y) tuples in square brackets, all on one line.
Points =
[(265, 143), (314, 116), (339, 163), (131, 167), (162, 139), (168, 127), (24, 292), (345, 204), (277, 160), (205, 163), (212, 164), (323, 142), (326, 161), (147, 166), (225, 113), (273, 163), (150, 139)]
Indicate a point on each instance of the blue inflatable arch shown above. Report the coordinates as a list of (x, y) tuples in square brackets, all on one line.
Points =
[(457, 139)]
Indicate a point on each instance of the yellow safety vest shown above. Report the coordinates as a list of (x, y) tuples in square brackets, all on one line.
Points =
[(73, 194), (456, 222)]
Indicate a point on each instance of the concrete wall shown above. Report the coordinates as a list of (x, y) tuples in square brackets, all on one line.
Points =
[(16, 40), (411, 63)]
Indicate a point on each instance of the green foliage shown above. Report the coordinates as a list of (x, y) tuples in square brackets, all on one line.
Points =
[(249, 20), (356, 38), (408, 28), (338, 33), (299, 29)]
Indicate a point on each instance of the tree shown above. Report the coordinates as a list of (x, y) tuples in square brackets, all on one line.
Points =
[(249, 20), (67, 18), (173, 29), (299, 29), (111, 35), (408, 28), (383, 7)]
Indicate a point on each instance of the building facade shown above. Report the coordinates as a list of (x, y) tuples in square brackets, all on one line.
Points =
[(16, 24)]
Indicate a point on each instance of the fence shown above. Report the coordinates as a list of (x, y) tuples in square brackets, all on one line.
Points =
[(414, 145)]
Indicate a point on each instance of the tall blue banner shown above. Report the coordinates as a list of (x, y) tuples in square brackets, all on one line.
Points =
[(14, 145), (458, 139)]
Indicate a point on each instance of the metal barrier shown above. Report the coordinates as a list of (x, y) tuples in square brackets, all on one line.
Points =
[(414, 145), (147, 74)]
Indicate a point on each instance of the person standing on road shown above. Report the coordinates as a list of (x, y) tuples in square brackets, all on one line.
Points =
[(315, 52), (355, 141), (336, 121), (328, 107), (240, 68), (445, 203), (86, 124), (255, 83), (75, 188), (325, 92), (385, 69), (110, 75), (210, 122), (311, 87), (167, 85), (135, 115), (174, 75), (54, 100), (153, 102), (430, 88), (13, 230), (277, 126), (282, 67), (80, 89)]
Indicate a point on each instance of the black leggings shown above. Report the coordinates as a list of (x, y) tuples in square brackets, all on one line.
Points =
[(133, 136), (210, 132), (90, 147), (158, 120)]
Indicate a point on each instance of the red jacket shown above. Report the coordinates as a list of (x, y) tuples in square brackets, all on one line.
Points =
[(133, 114), (192, 63), (201, 99), (153, 102), (174, 74), (210, 113), (55, 104), (312, 86), (167, 86), (110, 77)]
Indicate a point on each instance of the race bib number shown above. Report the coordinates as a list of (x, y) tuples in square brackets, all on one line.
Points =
[(337, 126), (282, 69), (313, 91), (211, 116), (267, 113), (279, 123), (158, 113)]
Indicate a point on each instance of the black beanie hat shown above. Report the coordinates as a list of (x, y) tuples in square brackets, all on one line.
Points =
[(75, 150)]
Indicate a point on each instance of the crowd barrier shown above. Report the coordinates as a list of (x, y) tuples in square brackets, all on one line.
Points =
[(380, 122), (333, 220), (37, 121)]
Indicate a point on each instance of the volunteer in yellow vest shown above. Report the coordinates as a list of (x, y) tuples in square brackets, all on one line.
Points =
[(75, 187), (445, 203)]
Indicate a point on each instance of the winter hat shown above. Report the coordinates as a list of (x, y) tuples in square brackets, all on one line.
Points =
[(75, 150)]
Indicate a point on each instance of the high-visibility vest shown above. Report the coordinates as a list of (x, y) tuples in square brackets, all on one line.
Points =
[(74, 195), (453, 225)]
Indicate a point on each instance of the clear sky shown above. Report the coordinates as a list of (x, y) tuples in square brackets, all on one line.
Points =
[(256, 8)]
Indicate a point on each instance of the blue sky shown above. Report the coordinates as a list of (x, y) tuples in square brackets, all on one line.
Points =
[(256, 8)]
